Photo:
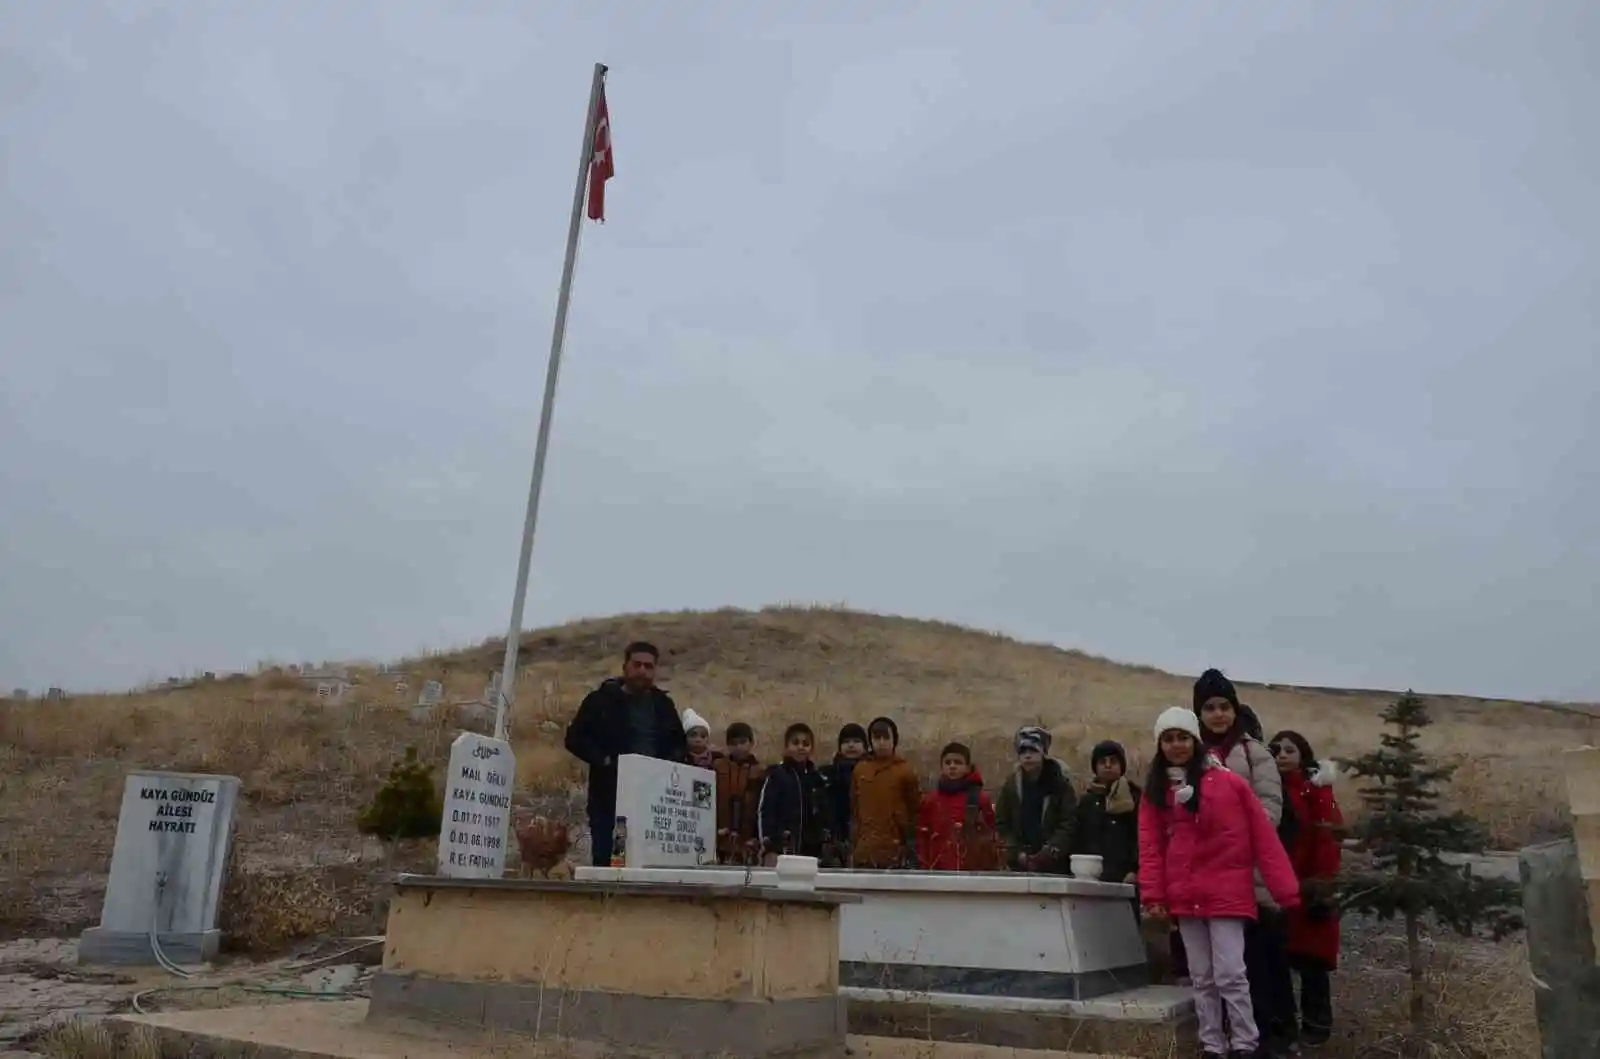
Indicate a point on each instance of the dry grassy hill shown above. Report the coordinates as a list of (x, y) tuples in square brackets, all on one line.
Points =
[(307, 765)]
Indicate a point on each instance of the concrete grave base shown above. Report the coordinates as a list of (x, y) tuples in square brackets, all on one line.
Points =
[(119, 948), (341, 1030), (1147, 1022), (629, 969), (625, 1025)]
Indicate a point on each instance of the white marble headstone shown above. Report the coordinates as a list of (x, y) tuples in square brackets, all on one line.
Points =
[(670, 812), (432, 692), (475, 831), (166, 869)]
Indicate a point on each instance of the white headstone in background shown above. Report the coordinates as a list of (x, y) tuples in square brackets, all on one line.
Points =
[(669, 812), (476, 828), (432, 692), (166, 870)]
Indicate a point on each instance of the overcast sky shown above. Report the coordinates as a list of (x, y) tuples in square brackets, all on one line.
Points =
[(1257, 335)]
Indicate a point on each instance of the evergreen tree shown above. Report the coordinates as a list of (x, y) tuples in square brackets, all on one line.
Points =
[(407, 806), (1405, 832)]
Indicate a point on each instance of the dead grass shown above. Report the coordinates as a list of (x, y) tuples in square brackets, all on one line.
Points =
[(1481, 996), (306, 766)]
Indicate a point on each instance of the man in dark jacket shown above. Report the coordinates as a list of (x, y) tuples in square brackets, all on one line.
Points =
[(624, 715)]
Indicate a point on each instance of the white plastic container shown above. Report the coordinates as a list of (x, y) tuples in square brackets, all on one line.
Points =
[(1086, 865)]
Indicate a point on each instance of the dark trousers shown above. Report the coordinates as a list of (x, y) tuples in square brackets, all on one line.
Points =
[(600, 829), (1316, 998), (1266, 961)]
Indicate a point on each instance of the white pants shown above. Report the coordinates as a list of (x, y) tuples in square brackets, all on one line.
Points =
[(1217, 968)]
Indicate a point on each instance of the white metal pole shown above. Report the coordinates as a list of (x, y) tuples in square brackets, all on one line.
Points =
[(508, 667)]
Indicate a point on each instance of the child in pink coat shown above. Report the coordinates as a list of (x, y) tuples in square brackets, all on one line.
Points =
[(1203, 835)]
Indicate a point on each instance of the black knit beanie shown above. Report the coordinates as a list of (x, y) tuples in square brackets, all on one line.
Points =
[(1213, 685), (852, 731)]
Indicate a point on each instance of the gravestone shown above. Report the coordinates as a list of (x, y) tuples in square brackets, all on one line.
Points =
[(166, 870), (431, 693), (1561, 952), (474, 832), (1582, 768), (668, 812), (54, 695)]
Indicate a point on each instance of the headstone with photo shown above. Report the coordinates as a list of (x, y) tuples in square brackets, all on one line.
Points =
[(474, 833), (666, 813), (166, 870)]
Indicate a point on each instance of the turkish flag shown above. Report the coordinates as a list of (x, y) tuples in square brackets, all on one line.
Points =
[(601, 167)]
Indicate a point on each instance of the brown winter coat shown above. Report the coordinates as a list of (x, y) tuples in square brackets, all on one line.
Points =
[(738, 793), (884, 799)]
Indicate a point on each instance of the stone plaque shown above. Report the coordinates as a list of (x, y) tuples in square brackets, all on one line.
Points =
[(477, 808), (670, 812), (166, 870)]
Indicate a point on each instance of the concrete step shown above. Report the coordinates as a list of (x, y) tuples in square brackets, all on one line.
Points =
[(338, 1030)]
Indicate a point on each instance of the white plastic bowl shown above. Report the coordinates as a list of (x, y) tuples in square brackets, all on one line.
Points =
[(1086, 865)]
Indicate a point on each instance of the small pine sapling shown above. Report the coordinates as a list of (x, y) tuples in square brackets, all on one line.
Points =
[(1405, 832), (407, 806)]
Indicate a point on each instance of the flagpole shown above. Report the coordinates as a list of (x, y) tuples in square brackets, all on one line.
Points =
[(508, 666)]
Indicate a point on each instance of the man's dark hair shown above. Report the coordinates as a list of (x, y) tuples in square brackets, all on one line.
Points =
[(641, 647), (798, 728), (960, 749), (739, 730)]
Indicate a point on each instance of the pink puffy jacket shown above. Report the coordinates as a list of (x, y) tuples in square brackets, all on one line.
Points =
[(1202, 865)]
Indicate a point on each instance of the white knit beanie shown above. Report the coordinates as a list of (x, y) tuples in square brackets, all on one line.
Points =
[(1181, 719), (692, 720)]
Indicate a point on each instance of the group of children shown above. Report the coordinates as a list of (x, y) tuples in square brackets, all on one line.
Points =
[(866, 808), (1233, 841)]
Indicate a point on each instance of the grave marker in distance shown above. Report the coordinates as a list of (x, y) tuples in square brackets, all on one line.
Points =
[(476, 828), (166, 870), (670, 812)]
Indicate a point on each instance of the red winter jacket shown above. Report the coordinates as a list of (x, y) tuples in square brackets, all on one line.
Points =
[(955, 831), (1315, 854), (1202, 865)]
